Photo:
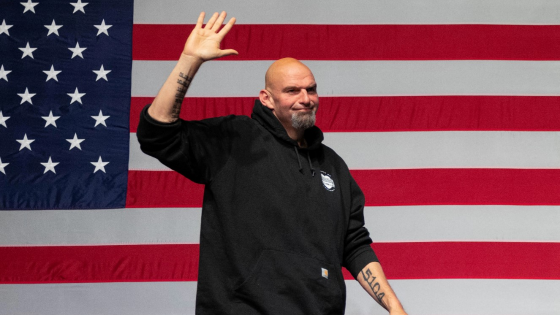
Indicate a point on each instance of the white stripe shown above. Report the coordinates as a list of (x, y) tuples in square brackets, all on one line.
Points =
[(366, 78), (353, 12), (100, 227), (463, 297), (407, 150), (182, 226), (419, 297), (447, 149), (128, 298), (463, 223)]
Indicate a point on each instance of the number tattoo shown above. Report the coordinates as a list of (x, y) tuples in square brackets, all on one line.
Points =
[(374, 286), (184, 83)]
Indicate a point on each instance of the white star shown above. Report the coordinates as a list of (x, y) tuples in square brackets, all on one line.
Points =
[(49, 166), (100, 119), (76, 96), (53, 28), (102, 73), (27, 51), (75, 143), (50, 120), (29, 6), (79, 6), (99, 165), (4, 73), (76, 51), (3, 119), (51, 74), (26, 96), (2, 165), (25, 143), (4, 28), (103, 28)]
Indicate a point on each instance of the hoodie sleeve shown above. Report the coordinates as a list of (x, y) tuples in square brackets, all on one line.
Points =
[(357, 250), (195, 149)]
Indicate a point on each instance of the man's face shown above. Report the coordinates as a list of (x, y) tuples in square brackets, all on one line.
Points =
[(294, 98)]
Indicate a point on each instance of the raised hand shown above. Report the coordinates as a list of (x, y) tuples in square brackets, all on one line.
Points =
[(202, 45), (204, 42)]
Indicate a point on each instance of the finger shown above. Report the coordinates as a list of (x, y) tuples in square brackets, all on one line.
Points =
[(200, 20), (227, 27), (210, 22), (219, 21), (228, 52)]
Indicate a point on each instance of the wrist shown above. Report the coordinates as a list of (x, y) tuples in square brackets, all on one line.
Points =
[(188, 65), (394, 306), (191, 60)]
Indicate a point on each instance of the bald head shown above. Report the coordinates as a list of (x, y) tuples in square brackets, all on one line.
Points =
[(282, 68), (291, 93)]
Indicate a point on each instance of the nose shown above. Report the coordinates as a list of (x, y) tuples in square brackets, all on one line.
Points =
[(304, 98)]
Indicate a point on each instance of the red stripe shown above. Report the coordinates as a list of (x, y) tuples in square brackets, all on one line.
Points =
[(128, 263), (397, 113), (470, 260), (459, 186), (362, 42), (151, 189), (44, 264), (395, 187)]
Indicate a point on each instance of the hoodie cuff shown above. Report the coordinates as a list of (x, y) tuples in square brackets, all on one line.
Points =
[(360, 261), (152, 121)]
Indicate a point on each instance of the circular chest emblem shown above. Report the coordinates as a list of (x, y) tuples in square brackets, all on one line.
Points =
[(328, 183)]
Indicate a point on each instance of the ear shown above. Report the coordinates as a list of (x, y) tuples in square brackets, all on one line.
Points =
[(266, 99)]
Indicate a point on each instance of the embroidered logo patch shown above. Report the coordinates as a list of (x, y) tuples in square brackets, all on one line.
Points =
[(325, 273), (327, 181)]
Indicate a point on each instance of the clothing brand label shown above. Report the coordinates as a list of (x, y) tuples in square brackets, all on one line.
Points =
[(325, 273), (327, 181)]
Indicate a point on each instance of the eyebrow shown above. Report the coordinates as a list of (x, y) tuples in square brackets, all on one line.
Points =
[(314, 85)]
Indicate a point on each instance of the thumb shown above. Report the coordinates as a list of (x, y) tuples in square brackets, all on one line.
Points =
[(228, 52)]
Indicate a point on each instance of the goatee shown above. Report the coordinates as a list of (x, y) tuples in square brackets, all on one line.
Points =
[(302, 121)]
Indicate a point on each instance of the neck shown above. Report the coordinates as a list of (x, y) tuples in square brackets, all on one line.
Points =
[(297, 135)]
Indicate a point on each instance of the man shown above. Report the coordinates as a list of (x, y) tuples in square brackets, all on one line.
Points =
[(281, 212)]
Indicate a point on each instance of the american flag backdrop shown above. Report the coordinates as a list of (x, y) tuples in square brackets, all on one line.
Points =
[(446, 112)]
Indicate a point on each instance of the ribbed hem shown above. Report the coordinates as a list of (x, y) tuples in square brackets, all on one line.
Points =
[(360, 261)]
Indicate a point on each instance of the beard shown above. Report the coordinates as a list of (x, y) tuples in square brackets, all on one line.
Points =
[(302, 121)]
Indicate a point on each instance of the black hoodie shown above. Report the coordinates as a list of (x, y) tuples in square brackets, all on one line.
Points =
[(278, 221)]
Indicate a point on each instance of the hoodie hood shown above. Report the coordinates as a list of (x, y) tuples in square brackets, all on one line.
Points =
[(265, 116)]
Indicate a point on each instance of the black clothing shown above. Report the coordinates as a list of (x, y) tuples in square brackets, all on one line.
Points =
[(278, 221)]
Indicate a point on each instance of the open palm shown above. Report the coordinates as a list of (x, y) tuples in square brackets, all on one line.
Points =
[(204, 43)]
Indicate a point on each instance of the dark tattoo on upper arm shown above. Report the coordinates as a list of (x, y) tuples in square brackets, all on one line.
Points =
[(184, 83), (374, 286)]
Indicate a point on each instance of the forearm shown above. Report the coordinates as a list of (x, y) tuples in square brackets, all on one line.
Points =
[(373, 280), (203, 44), (167, 104)]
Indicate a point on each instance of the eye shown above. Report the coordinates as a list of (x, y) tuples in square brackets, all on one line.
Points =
[(312, 90)]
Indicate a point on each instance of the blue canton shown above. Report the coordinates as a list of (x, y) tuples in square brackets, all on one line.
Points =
[(65, 70)]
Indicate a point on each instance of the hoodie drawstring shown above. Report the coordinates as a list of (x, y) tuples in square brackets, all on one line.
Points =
[(310, 165), (299, 162), (308, 160)]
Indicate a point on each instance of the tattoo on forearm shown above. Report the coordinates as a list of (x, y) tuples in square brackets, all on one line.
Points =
[(184, 83), (374, 286), (184, 76)]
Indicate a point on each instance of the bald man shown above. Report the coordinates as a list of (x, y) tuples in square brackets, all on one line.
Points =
[(281, 213)]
